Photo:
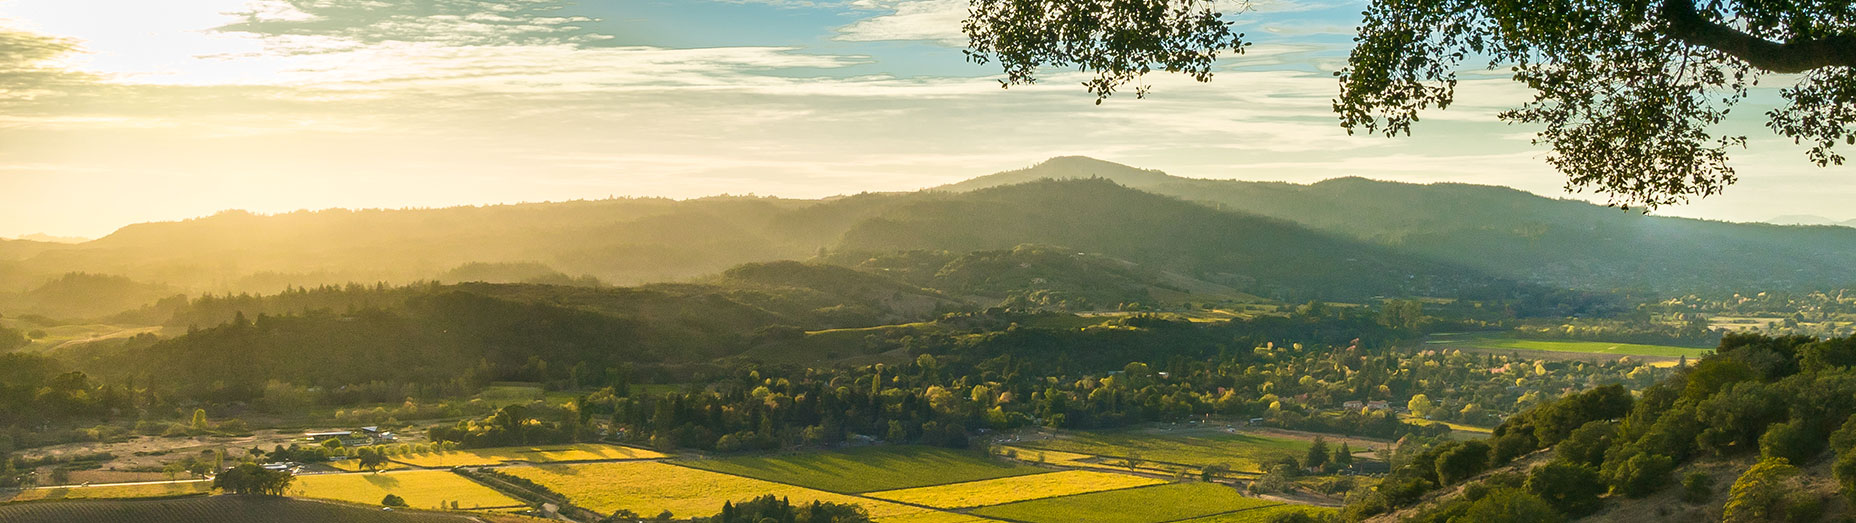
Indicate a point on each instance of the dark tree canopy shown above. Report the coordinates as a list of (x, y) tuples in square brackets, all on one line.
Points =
[(1628, 94)]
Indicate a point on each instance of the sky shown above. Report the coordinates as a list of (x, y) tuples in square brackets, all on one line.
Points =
[(121, 111)]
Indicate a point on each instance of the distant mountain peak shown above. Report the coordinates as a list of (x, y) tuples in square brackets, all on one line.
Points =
[(1809, 219), (1065, 168)]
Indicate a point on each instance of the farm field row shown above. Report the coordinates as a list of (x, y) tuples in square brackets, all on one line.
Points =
[(1500, 341), (1170, 502), (867, 469), (933, 486), (541, 454), (144, 490), (1196, 447), (1016, 488), (426, 489), (650, 488)]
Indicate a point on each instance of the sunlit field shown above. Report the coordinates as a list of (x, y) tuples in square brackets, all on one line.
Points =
[(1137, 505), (420, 488), (1016, 488), (155, 490), (867, 469), (650, 488), (537, 454)]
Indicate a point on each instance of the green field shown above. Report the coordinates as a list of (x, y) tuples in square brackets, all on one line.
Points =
[(1155, 504), (212, 509), (1260, 515), (867, 469), (1194, 447), (1000, 491), (1504, 342)]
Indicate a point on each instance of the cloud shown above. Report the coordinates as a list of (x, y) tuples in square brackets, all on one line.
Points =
[(932, 20)]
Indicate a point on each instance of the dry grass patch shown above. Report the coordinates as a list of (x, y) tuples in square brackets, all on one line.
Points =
[(1019, 488)]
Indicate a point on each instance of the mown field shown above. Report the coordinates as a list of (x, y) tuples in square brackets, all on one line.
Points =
[(420, 488), (109, 492), (1171, 502), (1013, 489), (1491, 341), (867, 469), (214, 509), (649, 488), (1197, 447), (540, 454)]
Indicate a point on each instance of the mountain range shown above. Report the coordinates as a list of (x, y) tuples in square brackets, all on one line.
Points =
[(1341, 239)]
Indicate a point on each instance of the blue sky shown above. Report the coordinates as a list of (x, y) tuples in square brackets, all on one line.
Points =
[(121, 111)]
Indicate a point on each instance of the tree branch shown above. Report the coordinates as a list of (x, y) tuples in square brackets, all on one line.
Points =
[(1687, 26)]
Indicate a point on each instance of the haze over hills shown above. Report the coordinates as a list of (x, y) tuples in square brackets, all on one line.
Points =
[(1509, 232), (1343, 239)]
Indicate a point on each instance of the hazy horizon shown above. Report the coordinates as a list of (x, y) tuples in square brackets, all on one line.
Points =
[(57, 238), (125, 112)]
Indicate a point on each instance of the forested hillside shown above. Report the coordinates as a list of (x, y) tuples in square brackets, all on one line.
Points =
[(1760, 431), (1511, 233)]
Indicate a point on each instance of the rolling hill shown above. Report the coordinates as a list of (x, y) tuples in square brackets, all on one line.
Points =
[(1508, 232)]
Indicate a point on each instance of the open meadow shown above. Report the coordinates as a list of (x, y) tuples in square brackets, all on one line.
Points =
[(535, 454), (420, 489), (1172, 502), (867, 469), (1013, 489)]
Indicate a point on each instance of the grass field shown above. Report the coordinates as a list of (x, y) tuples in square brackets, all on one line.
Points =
[(867, 469), (1500, 342), (420, 489), (650, 487), (215, 509), (1016, 488), (541, 454), (1155, 504), (1260, 515), (1194, 447), (110, 491)]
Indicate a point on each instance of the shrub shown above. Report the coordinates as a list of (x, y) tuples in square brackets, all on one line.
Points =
[(1697, 487), (1511, 506), (1572, 488), (1792, 440), (1640, 474), (1462, 461), (393, 500)]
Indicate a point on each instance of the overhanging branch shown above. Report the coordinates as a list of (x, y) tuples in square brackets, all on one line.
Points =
[(1687, 25)]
